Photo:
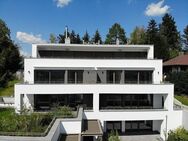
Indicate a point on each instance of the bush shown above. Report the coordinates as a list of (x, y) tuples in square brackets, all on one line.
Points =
[(113, 136), (180, 134), (62, 111)]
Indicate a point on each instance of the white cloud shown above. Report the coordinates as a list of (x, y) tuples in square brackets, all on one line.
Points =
[(157, 9), (62, 3), (29, 38)]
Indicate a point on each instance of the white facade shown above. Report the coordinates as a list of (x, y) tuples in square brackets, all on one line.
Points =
[(162, 114)]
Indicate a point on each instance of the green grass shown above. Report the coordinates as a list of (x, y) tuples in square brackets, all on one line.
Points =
[(24, 123), (29, 124), (182, 98), (4, 112), (9, 89)]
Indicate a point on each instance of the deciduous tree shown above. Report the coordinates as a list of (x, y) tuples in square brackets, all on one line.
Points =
[(138, 36), (10, 59)]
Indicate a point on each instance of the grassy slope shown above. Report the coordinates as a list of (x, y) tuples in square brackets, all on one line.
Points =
[(9, 89), (182, 98), (4, 112)]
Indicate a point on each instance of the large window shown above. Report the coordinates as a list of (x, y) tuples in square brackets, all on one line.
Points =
[(49, 76), (113, 126), (92, 55), (142, 125), (113, 76), (41, 76), (138, 77), (57, 76), (126, 101), (75, 76), (42, 101)]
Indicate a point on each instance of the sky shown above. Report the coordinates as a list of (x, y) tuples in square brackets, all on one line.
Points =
[(32, 21)]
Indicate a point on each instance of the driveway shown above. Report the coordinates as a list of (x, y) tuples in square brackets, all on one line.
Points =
[(141, 138)]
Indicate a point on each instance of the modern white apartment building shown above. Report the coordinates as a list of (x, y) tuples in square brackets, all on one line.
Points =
[(120, 85)]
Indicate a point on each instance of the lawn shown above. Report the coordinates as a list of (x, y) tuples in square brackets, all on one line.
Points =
[(9, 89), (30, 124), (182, 98)]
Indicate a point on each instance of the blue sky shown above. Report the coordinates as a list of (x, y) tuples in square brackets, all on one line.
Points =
[(31, 21)]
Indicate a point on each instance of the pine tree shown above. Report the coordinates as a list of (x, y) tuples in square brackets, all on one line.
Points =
[(78, 40), (97, 38), (169, 30), (61, 37), (154, 37), (86, 37), (73, 39), (116, 31), (185, 38)]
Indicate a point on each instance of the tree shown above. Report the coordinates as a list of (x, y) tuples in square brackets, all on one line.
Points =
[(78, 40), (61, 37), (180, 81), (10, 59), (52, 38), (185, 38), (169, 30), (154, 37), (73, 37), (138, 36), (97, 38), (116, 31), (86, 37)]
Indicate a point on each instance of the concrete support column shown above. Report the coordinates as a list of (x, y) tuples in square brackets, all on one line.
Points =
[(122, 81), (66, 76), (123, 126), (104, 126)]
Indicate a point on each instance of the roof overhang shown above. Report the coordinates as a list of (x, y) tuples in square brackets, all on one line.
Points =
[(93, 47)]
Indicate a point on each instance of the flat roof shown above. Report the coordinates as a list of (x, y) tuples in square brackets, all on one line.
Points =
[(93, 47), (92, 127)]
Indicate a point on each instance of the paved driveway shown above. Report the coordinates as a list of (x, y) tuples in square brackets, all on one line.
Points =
[(141, 138)]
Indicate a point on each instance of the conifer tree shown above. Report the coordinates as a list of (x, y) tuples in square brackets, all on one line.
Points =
[(97, 38), (116, 31)]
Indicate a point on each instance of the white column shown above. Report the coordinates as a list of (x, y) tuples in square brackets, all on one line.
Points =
[(123, 126), (96, 102)]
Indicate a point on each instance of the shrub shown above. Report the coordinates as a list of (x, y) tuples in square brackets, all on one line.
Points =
[(63, 111), (180, 79), (180, 134), (113, 136)]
